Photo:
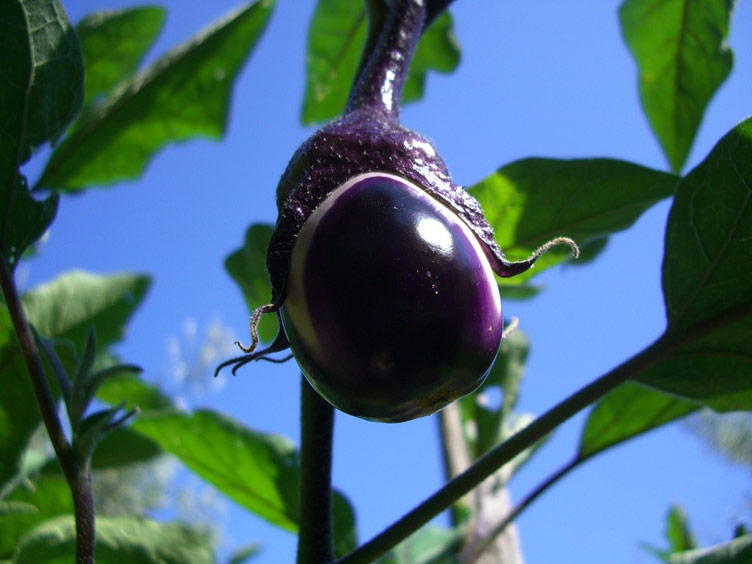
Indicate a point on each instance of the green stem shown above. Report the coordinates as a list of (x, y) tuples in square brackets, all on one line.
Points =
[(317, 425), (78, 477), (497, 457)]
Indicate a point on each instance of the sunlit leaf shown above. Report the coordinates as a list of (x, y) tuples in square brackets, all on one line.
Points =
[(49, 497), (247, 267), (120, 540), (531, 201), (681, 52), (335, 40), (626, 412), (68, 306), (114, 44), (707, 281), (258, 471), (184, 94)]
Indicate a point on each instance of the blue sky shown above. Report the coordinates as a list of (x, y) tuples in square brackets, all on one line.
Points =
[(548, 79)]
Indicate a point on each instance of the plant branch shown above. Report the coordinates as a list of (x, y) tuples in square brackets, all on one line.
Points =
[(504, 452), (498, 456), (78, 477), (315, 544)]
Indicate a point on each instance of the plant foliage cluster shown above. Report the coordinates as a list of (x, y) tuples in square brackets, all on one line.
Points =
[(83, 89)]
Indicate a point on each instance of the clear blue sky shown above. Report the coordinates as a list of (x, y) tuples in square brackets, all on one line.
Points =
[(546, 79)]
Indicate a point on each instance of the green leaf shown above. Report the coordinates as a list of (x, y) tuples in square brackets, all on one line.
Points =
[(245, 554), (23, 218), (135, 392), (114, 44), (679, 535), (518, 291), (183, 95), (68, 306), (429, 545), (335, 41), (19, 414), (41, 92), (48, 497), (247, 267), (707, 281), (628, 411), (256, 470), (42, 70), (489, 425), (737, 551), (120, 540), (344, 531), (682, 56), (531, 201)]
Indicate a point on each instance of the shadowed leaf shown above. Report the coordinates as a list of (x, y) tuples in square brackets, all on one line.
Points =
[(707, 281)]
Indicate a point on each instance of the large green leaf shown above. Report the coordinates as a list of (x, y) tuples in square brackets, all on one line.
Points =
[(335, 41), (737, 551), (258, 471), (68, 306), (135, 392), (531, 201), (114, 44), (123, 446), (680, 49), (185, 94), (41, 92), (42, 70), (247, 267), (120, 540), (48, 497), (707, 281), (628, 411)]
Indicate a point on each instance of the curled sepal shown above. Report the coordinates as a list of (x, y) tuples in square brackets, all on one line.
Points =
[(507, 269), (280, 343)]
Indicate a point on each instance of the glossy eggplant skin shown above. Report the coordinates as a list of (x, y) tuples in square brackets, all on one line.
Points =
[(392, 310)]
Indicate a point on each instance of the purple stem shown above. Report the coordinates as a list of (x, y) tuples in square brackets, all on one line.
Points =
[(378, 89)]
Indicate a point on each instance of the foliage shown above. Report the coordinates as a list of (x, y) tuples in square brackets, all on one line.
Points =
[(83, 90)]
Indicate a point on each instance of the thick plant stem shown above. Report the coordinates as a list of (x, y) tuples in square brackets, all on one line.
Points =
[(317, 426), (78, 478)]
